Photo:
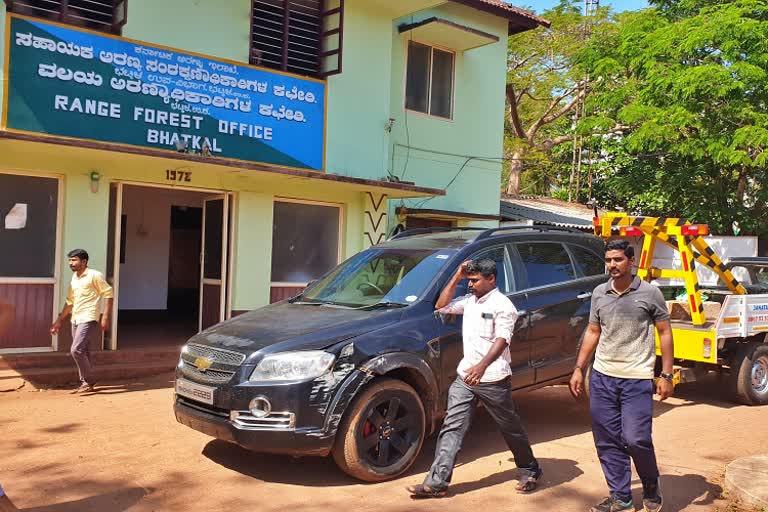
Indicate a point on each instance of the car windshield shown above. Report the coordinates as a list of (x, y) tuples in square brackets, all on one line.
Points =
[(751, 274), (386, 276)]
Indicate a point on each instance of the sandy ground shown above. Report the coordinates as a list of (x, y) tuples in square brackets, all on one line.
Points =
[(122, 450)]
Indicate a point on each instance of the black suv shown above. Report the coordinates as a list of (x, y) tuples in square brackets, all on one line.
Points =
[(359, 365)]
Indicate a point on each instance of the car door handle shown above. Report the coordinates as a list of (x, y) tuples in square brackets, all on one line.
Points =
[(584, 295), (434, 345)]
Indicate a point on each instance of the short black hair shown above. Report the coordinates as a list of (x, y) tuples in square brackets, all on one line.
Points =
[(620, 245), (78, 253), (486, 267)]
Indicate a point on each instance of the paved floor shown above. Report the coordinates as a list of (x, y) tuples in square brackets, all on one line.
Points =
[(747, 480), (121, 450)]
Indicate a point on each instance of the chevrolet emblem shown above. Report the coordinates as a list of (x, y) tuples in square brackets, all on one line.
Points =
[(203, 363)]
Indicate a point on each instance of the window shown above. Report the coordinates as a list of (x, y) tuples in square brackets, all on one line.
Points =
[(305, 241), (102, 15), (396, 276), (589, 263), (499, 255), (28, 212), (299, 36), (429, 80), (545, 263)]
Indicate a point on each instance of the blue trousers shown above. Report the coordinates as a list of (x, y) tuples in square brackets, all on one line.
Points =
[(622, 415)]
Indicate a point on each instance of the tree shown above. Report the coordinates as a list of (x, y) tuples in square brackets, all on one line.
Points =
[(688, 78), (544, 89)]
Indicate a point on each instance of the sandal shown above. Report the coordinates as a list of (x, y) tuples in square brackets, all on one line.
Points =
[(422, 491), (527, 483)]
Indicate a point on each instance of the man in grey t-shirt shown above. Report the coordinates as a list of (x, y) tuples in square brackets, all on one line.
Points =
[(625, 314)]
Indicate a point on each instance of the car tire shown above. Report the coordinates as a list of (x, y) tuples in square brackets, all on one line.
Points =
[(382, 432), (748, 379)]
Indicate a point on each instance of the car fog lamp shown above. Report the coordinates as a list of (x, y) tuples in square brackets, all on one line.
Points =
[(260, 407)]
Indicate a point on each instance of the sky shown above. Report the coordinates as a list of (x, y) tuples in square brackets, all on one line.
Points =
[(616, 5)]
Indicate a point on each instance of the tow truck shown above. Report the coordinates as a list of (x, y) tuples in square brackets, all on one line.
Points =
[(728, 334)]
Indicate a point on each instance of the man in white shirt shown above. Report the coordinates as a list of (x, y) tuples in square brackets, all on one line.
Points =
[(484, 375)]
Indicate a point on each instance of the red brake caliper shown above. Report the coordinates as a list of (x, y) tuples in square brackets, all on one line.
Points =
[(368, 428)]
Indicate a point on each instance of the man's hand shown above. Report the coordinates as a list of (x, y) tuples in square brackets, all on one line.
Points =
[(664, 388), (105, 323), (55, 327), (474, 374), (577, 383), (461, 272)]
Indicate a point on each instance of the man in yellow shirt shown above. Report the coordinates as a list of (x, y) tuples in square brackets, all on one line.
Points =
[(86, 291)]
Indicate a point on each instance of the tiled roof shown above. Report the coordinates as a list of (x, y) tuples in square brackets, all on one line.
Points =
[(504, 9), (547, 210)]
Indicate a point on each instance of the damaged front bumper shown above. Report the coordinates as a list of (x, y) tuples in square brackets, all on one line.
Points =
[(303, 420)]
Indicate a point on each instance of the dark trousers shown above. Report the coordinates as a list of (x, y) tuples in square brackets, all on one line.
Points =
[(82, 335), (622, 416), (462, 401)]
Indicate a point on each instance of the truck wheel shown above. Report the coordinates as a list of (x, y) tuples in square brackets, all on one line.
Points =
[(749, 374), (382, 432)]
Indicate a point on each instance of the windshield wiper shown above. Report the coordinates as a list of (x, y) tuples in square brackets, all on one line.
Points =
[(381, 305)]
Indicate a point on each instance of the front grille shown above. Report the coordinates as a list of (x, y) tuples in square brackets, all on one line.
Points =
[(223, 363), (208, 409), (275, 421)]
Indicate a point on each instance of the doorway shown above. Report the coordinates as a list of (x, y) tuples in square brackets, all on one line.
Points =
[(169, 264)]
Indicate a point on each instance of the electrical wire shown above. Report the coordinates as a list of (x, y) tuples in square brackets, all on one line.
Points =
[(405, 111)]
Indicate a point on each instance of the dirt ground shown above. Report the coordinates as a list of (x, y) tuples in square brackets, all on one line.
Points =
[(121, 450)]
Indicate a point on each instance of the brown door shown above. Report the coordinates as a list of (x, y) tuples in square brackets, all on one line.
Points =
[(213, 268), (30, 228)]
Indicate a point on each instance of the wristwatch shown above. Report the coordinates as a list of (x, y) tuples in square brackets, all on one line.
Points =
[(667, 376)]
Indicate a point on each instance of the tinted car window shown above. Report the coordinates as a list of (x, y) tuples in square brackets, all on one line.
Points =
[(545, 263), (589, 263), (498, 254)]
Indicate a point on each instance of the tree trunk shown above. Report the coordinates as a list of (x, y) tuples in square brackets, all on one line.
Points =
[(515, 169), (741, 189)]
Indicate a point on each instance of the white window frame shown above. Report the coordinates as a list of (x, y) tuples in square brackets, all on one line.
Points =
[(340, 249), (432, 48)]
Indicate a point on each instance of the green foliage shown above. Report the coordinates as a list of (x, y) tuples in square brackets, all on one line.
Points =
[(688, 81)]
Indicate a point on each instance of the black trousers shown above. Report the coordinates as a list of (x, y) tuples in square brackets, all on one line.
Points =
[(462, 401)]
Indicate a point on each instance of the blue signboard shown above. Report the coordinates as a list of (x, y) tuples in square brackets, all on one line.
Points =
[(74, 83)]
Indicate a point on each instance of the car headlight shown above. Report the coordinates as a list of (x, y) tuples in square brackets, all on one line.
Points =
[(293, 366)]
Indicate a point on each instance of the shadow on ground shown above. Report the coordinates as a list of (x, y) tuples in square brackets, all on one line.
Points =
[(680, 491), (548, 414), (117, 501)]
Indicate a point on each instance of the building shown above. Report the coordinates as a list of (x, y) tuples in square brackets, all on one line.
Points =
[(213, 157)]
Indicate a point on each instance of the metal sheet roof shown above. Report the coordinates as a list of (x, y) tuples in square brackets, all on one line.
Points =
[(547, 211)]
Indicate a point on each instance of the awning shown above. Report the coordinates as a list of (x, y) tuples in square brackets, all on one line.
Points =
[(448, 34), (28, 151), (424, 213)]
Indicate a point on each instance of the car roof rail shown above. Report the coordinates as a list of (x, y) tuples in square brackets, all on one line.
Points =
[(436, 229), (534, 227)]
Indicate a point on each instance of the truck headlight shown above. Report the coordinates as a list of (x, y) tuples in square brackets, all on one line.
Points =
[(293, 366)]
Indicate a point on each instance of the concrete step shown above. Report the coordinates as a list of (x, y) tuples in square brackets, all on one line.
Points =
[(60, 376), (746, 479), (35, 361)]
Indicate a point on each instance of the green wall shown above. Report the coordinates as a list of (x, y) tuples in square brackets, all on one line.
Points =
[(220, 29), (476, 130)]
